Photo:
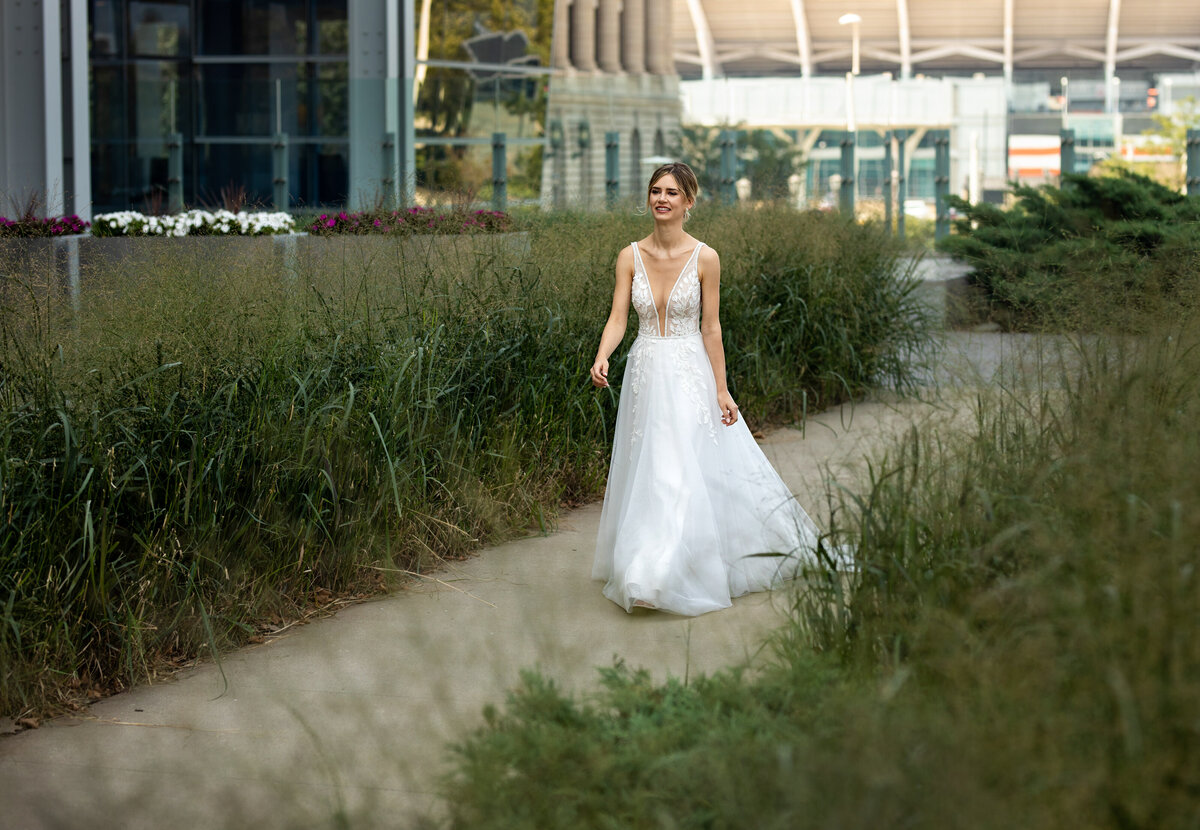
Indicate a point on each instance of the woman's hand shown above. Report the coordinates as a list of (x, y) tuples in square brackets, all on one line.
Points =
[(600, 374), (729, 410)]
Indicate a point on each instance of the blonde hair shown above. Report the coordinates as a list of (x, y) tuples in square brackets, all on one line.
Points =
[(684, 177)]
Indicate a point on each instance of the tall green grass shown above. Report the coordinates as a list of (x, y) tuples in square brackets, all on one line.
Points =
[(1017, 650), (205, 445)]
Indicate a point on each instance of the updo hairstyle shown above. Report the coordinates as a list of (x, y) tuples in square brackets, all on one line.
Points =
[(684, 177)]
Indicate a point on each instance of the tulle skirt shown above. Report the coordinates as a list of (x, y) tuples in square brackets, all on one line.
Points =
[(694, 514)]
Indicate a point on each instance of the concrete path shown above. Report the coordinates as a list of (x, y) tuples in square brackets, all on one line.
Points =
[(352, 714)]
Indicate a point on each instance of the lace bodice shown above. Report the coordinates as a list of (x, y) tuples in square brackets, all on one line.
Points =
[(683, 303)]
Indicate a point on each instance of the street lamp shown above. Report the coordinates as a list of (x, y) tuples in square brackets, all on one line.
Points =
[(853, 19), (1066, 102)]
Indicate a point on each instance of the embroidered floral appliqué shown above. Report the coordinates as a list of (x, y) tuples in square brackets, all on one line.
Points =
[(689, 376), (635, 373), (683, 307)]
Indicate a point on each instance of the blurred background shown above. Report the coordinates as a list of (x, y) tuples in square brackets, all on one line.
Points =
[(154, 105)]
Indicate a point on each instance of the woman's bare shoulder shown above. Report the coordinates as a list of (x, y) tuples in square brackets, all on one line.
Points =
[(709, 257), (625, 260)]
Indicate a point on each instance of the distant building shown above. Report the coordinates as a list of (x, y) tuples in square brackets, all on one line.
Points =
[(111, 104)]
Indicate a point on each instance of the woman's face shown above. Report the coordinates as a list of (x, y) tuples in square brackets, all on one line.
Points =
[(666, 200)]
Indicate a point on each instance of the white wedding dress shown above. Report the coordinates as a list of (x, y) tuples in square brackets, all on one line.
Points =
[(693, 514)]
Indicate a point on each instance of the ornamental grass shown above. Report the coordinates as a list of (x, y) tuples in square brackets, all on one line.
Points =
[(204, 445), (1017, 649)]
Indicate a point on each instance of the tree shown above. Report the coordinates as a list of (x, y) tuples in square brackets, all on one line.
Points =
[(1170, 133), (766, 157)]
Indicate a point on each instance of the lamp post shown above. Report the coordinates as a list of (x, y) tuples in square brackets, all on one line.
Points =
[(853, 20), (1066, 102), (849, 165), (1117, 129)]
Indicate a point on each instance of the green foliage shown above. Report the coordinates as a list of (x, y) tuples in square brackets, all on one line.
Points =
[(1083, 254), (766, 157), (1016, 650), (1169, 133), (204, 445)]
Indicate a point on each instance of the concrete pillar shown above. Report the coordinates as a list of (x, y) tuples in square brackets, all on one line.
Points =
[(633, 37), (374, 161), (81, 145), (609, 36), (31, 124), (583, 35), (560, 41), (660, 42)]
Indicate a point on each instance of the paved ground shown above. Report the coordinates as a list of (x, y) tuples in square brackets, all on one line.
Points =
[(354, 712)]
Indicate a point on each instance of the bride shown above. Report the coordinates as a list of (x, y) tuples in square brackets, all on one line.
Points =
[(693, 513)]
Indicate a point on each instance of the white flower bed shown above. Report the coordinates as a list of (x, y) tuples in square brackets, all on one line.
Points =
[(192, 223)]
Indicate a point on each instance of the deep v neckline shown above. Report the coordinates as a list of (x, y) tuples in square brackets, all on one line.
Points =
[(660, 318)]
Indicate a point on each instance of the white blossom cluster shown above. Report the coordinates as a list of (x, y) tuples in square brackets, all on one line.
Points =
[(192, 223)]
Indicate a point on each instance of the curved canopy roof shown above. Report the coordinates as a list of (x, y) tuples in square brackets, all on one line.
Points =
[(721, 38)]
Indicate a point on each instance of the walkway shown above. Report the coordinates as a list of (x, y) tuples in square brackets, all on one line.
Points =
[(354, 712)]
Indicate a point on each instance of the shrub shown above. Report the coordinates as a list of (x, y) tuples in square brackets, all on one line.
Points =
[(1085, 254)]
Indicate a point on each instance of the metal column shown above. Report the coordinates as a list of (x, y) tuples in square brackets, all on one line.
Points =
[(175, 172), (1066, 164), (558, 152), (846, 200), (279, 170), (941, 182), (901, 182), (728, 166), (612, 180), (499, 171), (1193, 162), (887, 179)]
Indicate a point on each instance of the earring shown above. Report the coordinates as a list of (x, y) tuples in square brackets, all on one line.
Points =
[(687, 214)]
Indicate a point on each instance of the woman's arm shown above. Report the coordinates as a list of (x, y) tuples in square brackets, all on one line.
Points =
[(618, 317), (710, 330)]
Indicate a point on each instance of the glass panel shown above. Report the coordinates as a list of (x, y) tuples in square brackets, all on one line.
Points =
[(236, 166), (106, 28), (920, 179), (129, 175), (246, 100), (332, 29), (109, 174), (108, 102), (158, 29), (253, 27), (870, 178), (332, 100), (159, 100), (320, 174)]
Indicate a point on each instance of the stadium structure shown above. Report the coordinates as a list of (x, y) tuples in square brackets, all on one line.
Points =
[(113, 104)]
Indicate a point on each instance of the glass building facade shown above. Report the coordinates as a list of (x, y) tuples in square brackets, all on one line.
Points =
[(224, 79), (225, 76)]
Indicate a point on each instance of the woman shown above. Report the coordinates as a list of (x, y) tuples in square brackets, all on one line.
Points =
[(694, 514)]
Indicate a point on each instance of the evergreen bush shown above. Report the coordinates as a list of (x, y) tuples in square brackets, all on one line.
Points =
[(1083, 254)]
